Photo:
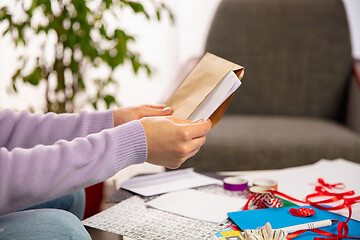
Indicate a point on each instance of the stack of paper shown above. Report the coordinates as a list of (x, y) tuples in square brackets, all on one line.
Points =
[(167, 182)]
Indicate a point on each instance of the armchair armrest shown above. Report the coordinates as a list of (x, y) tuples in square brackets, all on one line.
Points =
[(357, 70), (353, 104)]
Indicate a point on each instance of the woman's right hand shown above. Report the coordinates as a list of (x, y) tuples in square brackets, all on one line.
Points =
[(171, 141)]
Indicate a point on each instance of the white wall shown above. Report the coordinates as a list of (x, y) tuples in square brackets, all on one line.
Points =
[(352, 8), (164, 46)]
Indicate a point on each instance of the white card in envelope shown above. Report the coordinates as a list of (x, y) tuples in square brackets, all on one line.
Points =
[(168, 182)]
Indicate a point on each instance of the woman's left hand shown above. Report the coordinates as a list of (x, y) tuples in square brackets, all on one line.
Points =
[(127, 114)]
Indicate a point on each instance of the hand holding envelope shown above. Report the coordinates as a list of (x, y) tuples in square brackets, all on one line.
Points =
[(204, 94), (171, 141), (208, 89)]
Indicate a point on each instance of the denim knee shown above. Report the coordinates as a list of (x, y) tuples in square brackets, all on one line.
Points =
[(78, 206), (42, 224), (73, 202)]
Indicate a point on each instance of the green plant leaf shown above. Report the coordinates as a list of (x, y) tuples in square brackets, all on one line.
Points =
[(148, 69), (95, 105), (14, 87), (107, 3), (135, 63), (34, 78), (109, 99), (138, 7), (158, 15)]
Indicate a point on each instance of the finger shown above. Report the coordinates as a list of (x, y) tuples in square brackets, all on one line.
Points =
[(191, 154), (167, 111), (197, 129), (196, 143), (180, 121), (148, 112), (192, 146), (174, 165), (159, 106)]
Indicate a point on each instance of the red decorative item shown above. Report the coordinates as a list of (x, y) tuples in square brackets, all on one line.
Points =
[(321, 191), (302, 212), (259, 198), (273, 203), (330, 186)]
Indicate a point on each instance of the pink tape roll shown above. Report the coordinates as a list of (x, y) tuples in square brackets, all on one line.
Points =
[(235, 183)]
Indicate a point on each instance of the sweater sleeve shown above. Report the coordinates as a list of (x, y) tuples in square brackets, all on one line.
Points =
[(25, 130), (30, 176)]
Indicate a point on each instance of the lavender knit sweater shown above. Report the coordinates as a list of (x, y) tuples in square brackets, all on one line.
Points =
[(43, 157)]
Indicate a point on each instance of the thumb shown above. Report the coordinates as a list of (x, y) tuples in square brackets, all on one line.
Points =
[(180, 121), (183, 121), (194, 129), (149, 111)]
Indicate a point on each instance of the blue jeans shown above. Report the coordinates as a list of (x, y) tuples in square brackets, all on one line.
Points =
[(56, 219)]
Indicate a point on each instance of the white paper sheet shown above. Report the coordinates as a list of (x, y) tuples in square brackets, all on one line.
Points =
[(168, 182), (223, 90), (198, 205)]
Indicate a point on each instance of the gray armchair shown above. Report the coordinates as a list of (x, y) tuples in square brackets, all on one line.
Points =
[(299, 101)]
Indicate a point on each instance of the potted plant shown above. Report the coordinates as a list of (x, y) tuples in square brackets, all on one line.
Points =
[(75, 36)]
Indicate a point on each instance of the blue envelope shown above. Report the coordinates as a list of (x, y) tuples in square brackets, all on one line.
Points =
[(281, 217)]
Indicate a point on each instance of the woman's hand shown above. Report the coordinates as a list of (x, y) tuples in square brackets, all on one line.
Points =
[(127, 114), (171, 141)]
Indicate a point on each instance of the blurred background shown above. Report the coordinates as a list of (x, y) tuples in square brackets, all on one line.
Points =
[(161, 44)]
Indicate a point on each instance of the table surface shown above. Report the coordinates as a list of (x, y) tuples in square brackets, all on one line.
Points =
[(98, 234), (329, 170)]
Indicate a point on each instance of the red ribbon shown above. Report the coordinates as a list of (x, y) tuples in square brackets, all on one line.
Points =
[(342, 227), (331, 186), (246, 207)]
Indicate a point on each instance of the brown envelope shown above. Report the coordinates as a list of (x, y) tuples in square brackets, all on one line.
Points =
[(200, 82)]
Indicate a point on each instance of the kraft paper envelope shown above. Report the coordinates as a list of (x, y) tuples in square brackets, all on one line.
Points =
[(204, 78)]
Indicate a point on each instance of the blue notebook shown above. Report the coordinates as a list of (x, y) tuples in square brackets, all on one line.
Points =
[(281, 217)]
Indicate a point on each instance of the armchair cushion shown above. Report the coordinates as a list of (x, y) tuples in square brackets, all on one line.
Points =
[(296, 54), (249, 142)]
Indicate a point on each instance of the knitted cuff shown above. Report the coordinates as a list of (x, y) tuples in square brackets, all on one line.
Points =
[(95, 122), (131, 145)]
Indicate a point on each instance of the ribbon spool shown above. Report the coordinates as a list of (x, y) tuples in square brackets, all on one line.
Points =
[(235, 184), (263, 182), (261, 198)]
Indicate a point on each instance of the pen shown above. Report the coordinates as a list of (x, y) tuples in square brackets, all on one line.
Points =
[(311, 225)]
